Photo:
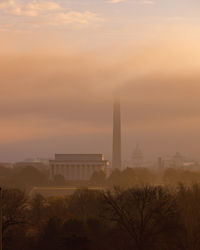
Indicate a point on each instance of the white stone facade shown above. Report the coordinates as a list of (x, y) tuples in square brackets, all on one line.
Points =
[(77, 167)]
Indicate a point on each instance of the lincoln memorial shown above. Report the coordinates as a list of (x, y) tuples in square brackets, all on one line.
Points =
[(75, 167)]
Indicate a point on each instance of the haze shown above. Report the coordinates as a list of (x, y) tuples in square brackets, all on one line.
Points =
[(60, 61)]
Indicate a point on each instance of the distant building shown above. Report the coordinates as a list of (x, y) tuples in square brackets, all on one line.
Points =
[(178, 160), (77, 167), (175, 161), (37, 159), (137, 157)]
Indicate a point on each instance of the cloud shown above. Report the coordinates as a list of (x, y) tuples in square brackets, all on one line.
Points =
[(148, 2), (50, 99), (74, 17), (65, 96), (33, 8), (43, 6), (116, 1), (4, 5), (78, 88), (47, 13)]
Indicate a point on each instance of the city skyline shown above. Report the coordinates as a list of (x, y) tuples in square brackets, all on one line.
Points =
[(99, 124)]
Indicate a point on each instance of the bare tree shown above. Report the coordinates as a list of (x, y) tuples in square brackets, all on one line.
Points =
[(146, 214), (14, 204)]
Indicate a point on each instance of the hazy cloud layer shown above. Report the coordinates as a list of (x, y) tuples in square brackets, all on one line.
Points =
[(68, 98)]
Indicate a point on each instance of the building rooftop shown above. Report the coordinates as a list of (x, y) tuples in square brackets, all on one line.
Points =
[(79, 157)]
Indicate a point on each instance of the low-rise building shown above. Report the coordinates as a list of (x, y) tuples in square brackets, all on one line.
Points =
[(77, 167)]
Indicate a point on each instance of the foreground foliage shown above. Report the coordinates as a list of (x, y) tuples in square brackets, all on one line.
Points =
[(148, 218)]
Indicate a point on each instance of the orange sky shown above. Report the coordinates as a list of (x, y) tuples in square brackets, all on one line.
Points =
[(57, 82)]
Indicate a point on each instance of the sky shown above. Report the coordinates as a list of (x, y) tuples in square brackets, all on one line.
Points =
[(61, 60)]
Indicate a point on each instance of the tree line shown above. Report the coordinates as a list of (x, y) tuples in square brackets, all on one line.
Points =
[(29, 177), (140, 218)]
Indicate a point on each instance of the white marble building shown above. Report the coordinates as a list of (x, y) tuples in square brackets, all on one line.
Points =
[(75, 167)]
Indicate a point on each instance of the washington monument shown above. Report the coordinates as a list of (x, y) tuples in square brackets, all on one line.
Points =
[(116, 154)]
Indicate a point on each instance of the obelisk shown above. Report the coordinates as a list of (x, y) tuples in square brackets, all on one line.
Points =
[(116, 154)]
